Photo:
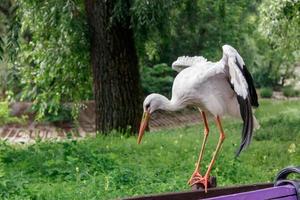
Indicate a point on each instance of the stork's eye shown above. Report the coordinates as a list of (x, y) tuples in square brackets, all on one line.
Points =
[(147, 106)]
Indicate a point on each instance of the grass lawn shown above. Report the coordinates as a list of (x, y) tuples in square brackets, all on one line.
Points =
[(115, 166)]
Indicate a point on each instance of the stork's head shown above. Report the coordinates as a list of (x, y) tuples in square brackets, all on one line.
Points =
[(152, 103)]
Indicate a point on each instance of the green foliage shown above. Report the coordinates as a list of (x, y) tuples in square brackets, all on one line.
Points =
[(157, 79), (269, 67), (193, 28), (279, 25), (289, 91), (9, 47), (279, 21), (202, 27), (5, 117), (266, 92), (115, 166), (151, 21), (13, 32), (9, 29), (45, 44), (54, 57), (64, 114)]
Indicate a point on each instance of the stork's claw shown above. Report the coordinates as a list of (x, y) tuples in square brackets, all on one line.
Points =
[(196, 176), (204, 181)]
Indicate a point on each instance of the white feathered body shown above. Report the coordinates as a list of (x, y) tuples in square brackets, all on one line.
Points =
[(221, 88), (205, 85)]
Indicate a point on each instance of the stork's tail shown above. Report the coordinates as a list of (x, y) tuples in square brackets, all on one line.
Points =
[(250, 123)]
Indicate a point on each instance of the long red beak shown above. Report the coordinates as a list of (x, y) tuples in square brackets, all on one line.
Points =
[(144, 123)]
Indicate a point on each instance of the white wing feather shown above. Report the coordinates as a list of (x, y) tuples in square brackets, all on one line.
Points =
[(237, 79), (186, 61)]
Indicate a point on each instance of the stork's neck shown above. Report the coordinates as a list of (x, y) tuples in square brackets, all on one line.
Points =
[(169, 105)]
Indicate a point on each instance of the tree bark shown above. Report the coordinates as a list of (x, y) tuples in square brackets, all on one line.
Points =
[(114, 62)]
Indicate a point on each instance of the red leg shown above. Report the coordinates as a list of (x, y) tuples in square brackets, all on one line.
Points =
[(196, 175), (205, 179)]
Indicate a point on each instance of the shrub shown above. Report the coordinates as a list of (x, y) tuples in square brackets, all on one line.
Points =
[(289, 91), (5, 117), (62, 114), (266, 92), (157, 79)]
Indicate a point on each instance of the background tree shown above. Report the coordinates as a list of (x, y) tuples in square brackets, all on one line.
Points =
[(53, 59), (48, 48), (115, 66), (9, 33), (279, 24), (55, 55)]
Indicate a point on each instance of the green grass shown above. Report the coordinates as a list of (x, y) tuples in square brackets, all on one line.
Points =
[(289, 91), (115, 166)]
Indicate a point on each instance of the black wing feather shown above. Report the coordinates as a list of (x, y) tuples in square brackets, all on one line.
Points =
[(251, 89), (247, 116), (246, 109)]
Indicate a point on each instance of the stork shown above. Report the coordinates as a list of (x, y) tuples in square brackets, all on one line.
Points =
[(219, 88)]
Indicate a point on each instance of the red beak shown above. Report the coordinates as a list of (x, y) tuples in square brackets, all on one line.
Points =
[(144, 123)]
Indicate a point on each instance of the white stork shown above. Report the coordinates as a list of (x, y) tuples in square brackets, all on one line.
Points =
[(220, 88)]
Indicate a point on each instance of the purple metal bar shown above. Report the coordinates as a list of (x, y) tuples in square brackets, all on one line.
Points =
[(200, 194), (286, 198), (286, 192)]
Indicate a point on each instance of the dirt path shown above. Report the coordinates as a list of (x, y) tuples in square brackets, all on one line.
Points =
[(32, 130)]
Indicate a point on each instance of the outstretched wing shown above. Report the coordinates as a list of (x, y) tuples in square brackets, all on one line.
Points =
[(239, 75), (186, 61), (242, 83)]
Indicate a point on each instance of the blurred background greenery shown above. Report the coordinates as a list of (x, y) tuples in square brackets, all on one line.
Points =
[(45, 59), (44, 45)]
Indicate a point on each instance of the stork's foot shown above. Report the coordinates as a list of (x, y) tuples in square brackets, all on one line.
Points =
[(204, 182), (196, 176)]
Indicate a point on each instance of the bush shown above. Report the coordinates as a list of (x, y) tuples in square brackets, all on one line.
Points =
[(5, 117), (266, 92), (157, 79), (63, 114), (289, 91)]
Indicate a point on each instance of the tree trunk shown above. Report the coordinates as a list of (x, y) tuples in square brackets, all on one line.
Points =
[(117, 88)]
